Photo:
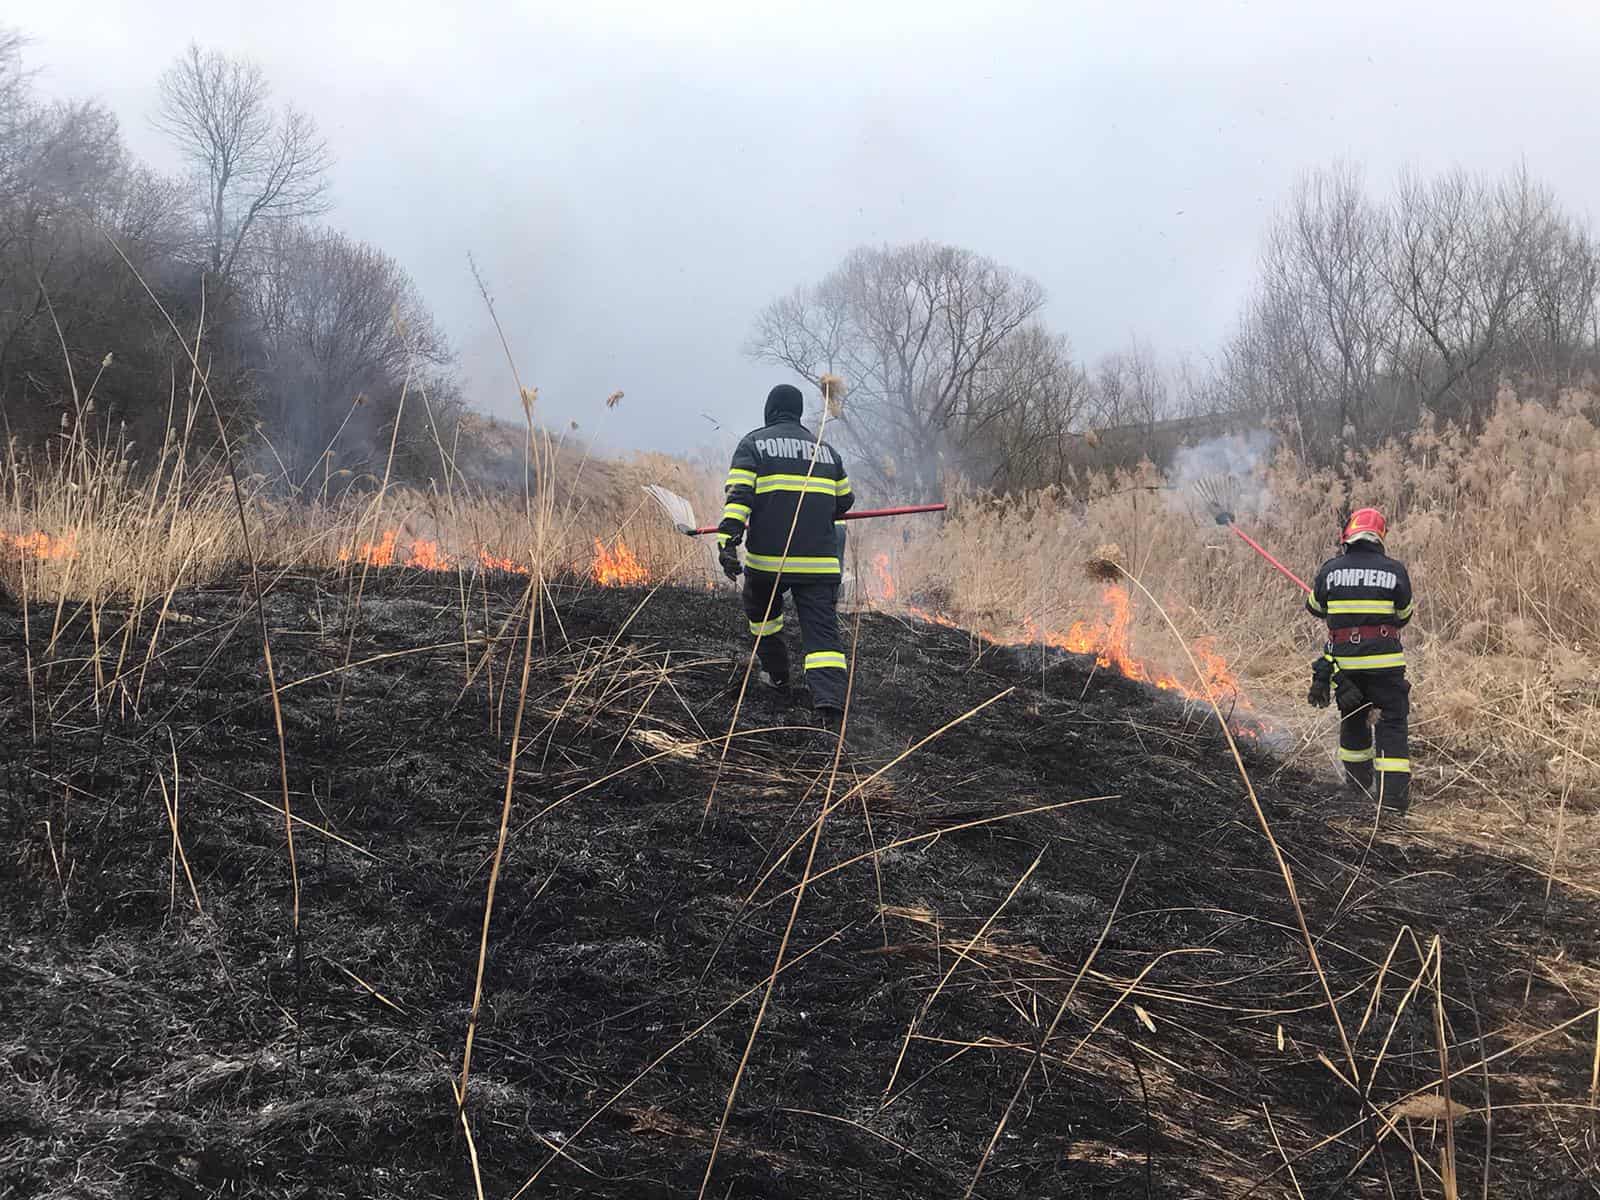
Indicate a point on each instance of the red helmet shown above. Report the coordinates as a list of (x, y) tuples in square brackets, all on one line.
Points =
[(1365, 525)]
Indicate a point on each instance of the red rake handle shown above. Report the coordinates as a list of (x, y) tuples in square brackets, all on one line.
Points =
[(863, 515), (1256, 546)]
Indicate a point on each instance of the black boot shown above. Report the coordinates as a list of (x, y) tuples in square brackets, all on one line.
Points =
[(1394, 794), (830, 723), (1358, 780)]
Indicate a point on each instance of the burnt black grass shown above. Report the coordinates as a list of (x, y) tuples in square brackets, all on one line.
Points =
[(151, 1049)]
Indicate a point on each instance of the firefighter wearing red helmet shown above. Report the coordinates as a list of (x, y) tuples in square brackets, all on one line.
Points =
[(1365, 598)]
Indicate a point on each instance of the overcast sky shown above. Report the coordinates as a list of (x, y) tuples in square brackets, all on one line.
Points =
[(636, 180)]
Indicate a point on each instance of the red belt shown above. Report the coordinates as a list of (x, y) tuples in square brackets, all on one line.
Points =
[(1355, 635)]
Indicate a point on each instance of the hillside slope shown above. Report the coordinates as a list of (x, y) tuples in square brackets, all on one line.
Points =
[(154, 1051)]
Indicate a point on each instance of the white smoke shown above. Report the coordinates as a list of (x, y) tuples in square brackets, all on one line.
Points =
[(1237, 463)]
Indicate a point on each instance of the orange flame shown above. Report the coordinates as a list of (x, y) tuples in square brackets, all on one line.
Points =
[(421, 555), (881, 585), (490, 562), (40, 545), (1109, 640), (379, 554), (617, 568)]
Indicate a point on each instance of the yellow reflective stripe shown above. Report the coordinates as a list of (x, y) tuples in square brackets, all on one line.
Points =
[(1374, 608), (823, 659), (1405, 613), (1369, 662), (1314, 606), (1355, 756), (762, 628), (1394, 766), (722, 538), (738, 475), (792, 565), (818, 485), (843, 486), (739, 512)]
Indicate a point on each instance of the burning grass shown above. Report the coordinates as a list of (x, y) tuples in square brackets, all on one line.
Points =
[(1108, 639), (1500, 534), (117, 535)]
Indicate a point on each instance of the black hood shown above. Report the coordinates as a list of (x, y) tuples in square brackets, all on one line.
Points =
[(784, 403)]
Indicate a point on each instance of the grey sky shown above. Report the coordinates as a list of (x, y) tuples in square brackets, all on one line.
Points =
[(637, 179)]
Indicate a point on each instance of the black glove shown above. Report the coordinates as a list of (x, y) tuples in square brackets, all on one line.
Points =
[(728, 557), (1351, 698), (1321, 693)]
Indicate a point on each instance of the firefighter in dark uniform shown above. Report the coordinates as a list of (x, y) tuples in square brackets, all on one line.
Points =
[(784, 493), (1365, 598)]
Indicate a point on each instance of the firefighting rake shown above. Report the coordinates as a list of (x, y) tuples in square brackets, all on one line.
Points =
[(681, 513), (1220, 493)]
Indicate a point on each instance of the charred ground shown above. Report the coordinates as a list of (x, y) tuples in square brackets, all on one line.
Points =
[(152, 1050)]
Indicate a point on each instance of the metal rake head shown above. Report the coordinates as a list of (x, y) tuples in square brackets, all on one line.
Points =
[(679, 511), (1220, 495)]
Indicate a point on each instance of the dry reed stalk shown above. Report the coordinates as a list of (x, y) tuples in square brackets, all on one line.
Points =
[(869, 1131), (260, 607), (945, 830), (15, 481), (1266, 829), (472, 1144), (499, 853), (61, 883), (1278, 1145), (367, 987), (788, 930), (532, 598), (353, 610), (1049, 1033), (872, 837), (685, 1040), (1394, 1026), (1561, 811), (170, 802), (961, 953), (300, 822), (1447, 1157), (1516, 1048), (860, 789), (1594, 1070), (1488, 1094), (1383, 971)]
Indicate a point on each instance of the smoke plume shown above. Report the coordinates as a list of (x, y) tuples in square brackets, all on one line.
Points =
[(1239, 459)]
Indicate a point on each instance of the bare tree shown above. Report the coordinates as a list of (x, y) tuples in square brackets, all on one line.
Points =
[(1130, 388), (64, 177), (914, 329), (252, 164), (316, 321), (13, 80), (1555, 335), (1037, 400), (338, 320), (1325, 322), (1459, 268)]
